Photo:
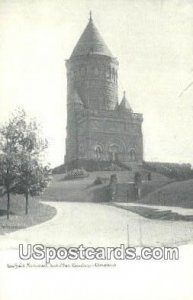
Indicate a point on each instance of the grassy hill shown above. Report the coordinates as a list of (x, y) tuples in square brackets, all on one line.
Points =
[(179, 193), (77, 190), (160, 191), (82, 190)]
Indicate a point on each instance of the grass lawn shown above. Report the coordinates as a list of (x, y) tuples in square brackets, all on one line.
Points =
[(82, 190), (179, 193), (38, 213)]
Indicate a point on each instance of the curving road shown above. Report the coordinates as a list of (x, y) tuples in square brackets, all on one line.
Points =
[(95, 224)]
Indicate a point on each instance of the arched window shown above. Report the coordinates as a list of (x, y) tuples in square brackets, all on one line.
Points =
[(113, 74), (98, 152), (108, 73), (116, 76), (132, 155)]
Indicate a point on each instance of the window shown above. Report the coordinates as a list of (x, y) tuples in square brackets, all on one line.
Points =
[(132, 155), (98, 152)]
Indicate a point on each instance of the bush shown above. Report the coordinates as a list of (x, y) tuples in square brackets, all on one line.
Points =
[(171, 170), (75, 174), (98, 181), (113, 167)]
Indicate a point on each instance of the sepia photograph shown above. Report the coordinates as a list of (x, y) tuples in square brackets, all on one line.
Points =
[(96, 149)]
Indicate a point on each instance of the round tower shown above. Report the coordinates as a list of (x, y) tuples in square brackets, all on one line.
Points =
[(92, 72)]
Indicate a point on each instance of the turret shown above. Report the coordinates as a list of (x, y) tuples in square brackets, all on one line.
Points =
[(124, 105), (92, 71)]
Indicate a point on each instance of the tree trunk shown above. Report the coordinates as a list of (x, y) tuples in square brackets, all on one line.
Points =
[(26, 203), (8, 205)]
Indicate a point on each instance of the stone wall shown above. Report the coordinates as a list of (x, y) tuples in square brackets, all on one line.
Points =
[(95, 79), (97, 136)]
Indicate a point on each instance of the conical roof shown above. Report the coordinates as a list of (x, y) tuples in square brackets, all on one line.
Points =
[(124, 105), (91, 42)]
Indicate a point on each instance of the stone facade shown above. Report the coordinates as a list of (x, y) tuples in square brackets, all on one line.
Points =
[(98, 127)]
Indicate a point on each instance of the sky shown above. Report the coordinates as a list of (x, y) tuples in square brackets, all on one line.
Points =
[(153, 41)]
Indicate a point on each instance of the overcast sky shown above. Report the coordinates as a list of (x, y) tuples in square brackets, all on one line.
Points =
[(153, 41)]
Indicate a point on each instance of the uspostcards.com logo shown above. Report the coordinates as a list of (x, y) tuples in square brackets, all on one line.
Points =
[(48, 254)]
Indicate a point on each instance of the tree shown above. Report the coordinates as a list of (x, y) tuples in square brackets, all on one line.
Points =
[(33, 175), (9, 136), (33, 179), (22, 170), (8, 175)]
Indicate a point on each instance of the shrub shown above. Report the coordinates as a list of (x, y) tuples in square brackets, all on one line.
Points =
[(75, 174), (98, 181), (113, 167), (171, 170)]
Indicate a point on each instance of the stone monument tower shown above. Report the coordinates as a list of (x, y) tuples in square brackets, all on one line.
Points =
[(98, 127)]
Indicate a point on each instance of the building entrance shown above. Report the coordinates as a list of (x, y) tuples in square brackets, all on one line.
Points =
[(114, 152)]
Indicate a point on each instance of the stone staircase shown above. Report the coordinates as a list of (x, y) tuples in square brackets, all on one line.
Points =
[(125, 192)]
